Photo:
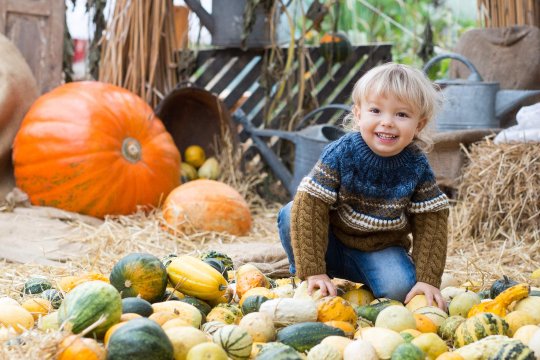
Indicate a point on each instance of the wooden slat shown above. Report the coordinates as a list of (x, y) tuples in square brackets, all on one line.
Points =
[(249, 79), (493, 14), (335, 78), (530, 13), (520, 15), (256, 98), (215, 67), (359, 52), (314, 54), (232, 73), (512, 12), (380, 55)]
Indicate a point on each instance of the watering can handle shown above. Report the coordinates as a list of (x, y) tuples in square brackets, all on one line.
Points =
[(240, 117), (475, 75)]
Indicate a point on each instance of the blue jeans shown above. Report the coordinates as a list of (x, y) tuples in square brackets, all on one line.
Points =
[(388, 273)]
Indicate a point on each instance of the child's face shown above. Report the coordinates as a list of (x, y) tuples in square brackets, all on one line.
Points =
[(386, 124)]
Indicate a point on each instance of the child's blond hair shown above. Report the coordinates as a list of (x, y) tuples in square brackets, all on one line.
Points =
[(408, 85)]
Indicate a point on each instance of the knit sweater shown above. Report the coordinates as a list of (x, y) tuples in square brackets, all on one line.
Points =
[(370, 202)]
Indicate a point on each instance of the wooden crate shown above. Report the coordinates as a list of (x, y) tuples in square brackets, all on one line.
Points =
[(504, 13)]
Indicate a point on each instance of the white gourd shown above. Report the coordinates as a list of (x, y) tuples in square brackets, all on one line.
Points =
[(383, 340), (287, 311), (360, 350), (260, 326), (323, 352), (534, 344)]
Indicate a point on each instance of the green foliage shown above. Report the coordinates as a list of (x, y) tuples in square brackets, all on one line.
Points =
[(401, 23)]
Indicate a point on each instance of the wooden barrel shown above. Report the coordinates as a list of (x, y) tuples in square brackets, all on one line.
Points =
[(195, 116)]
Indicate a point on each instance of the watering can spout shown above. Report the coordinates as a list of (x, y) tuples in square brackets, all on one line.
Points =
[(206, 19), (507, 100)]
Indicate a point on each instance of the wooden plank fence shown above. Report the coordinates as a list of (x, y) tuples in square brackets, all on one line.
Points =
[(504, 13), (235, 76)]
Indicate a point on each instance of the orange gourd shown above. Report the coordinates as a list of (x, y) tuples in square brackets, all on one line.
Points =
[(95, 149), (499, 305), (207, 205), (75, 347)]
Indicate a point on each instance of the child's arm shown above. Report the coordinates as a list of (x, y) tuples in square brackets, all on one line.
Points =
[(430, 237), (429, 255), (309, 234), (310, 214)]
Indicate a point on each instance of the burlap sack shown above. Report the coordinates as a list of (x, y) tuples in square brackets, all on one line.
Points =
[(18, 90), (38, 234)]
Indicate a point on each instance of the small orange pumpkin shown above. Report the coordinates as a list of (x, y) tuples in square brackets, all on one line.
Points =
[(96, 149), (75, 347), (207, 205)]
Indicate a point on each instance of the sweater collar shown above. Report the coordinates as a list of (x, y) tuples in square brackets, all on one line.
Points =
[(406, 156)]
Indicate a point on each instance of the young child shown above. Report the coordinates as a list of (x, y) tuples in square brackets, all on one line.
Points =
[(353, 215)]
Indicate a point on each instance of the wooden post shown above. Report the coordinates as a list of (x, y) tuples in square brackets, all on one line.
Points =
[(181, 26)]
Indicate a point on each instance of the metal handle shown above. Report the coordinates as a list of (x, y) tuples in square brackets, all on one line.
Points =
[(240, 117), (308, 116), (206, 19), (475, 75)]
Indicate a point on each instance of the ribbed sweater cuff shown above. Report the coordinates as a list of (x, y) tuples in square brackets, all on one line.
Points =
[(429, 279), (305, 272)]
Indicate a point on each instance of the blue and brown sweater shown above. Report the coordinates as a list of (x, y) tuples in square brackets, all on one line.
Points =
[(370, 202)]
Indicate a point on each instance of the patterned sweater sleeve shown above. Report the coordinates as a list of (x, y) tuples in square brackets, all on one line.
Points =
[(429, 221), (310, 214)]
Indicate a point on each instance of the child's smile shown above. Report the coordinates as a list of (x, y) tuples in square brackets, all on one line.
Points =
[(387, 124)]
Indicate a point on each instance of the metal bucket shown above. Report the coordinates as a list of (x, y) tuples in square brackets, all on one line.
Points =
[(194, 116), (309, 146)]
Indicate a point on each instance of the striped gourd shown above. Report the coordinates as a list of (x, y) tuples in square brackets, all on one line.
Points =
[(235, 341), (448, 328), (496, 347), (278, 351), (478, 327), (514, 350), (88, 303), (211, 327)]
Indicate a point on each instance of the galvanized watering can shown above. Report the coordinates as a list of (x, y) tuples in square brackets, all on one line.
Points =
[(226, 23), (308, 142), (474, 103)]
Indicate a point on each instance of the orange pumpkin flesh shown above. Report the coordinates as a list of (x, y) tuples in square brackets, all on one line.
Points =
[(96, 149), (207, 205)]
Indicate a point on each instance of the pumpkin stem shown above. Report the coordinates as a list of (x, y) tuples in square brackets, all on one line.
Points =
[(131, 149)]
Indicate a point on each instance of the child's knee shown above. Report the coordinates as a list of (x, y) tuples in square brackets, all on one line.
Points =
[(284, 217)]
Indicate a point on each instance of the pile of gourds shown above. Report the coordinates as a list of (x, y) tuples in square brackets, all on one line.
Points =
[(187, 307)]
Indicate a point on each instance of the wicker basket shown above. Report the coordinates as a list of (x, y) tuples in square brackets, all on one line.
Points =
[(195, 116)]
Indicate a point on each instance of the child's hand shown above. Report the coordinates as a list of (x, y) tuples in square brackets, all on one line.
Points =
[(431, 293), (322, 282)]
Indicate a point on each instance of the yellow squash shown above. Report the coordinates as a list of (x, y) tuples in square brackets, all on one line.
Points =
[(194, 277)]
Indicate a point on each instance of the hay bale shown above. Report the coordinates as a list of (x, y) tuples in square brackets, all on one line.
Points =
[(498, 192)]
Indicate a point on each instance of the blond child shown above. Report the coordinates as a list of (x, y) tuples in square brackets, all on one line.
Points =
[(353, 215)]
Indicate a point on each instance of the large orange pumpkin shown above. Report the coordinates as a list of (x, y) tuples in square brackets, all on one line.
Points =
[(207, 205), (96, 149)]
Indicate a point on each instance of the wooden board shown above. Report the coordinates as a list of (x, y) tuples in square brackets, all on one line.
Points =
[(37, 29)]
